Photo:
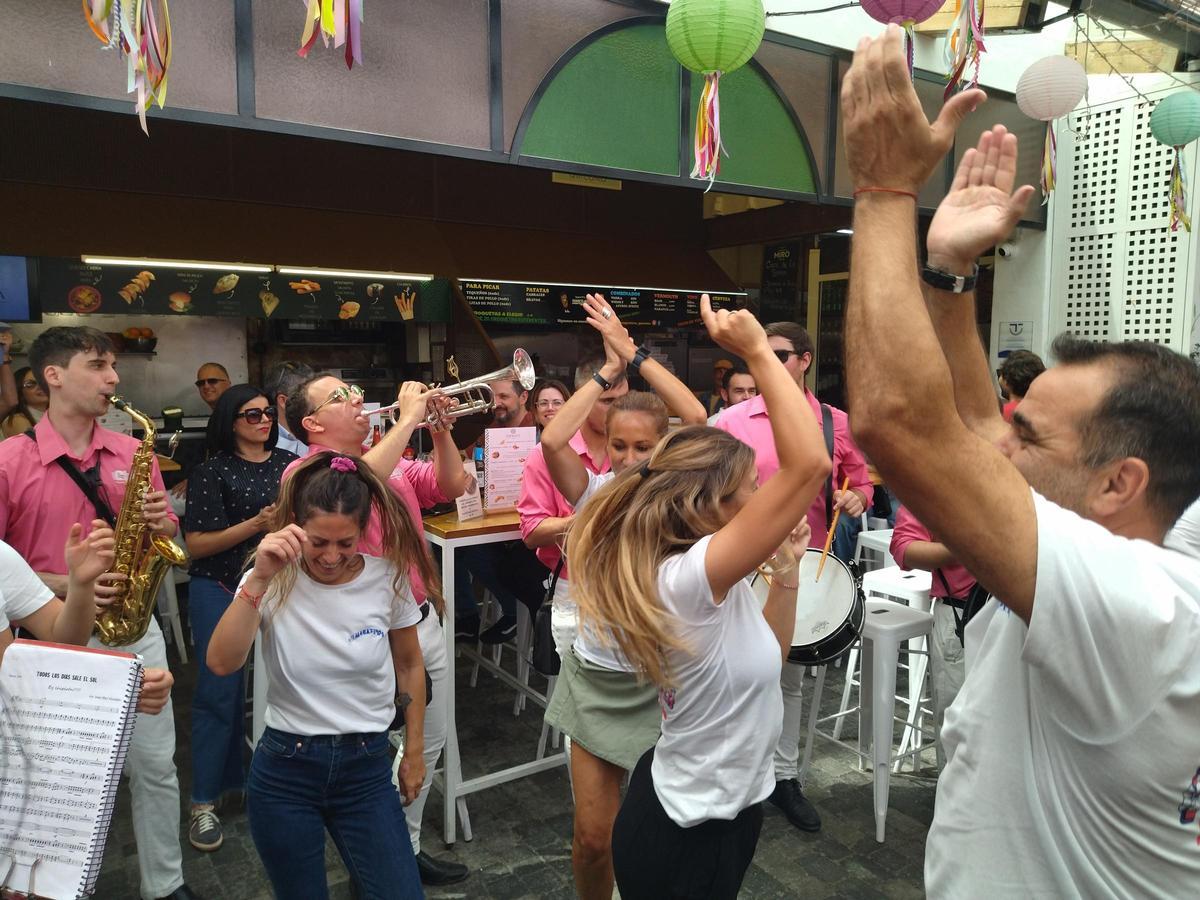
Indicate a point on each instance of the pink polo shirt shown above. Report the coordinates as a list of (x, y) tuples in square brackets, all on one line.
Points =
[(907, 530), (749, 422), (540, 499), (415, 483), (38, 500)]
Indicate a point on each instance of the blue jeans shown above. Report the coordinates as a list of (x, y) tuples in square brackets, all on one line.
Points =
[(300, 786), (218, 705)]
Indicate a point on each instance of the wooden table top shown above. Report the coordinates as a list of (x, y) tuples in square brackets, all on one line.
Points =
[(447, 525)]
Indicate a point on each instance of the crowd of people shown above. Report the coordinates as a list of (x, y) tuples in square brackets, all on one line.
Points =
[(1061, 523)]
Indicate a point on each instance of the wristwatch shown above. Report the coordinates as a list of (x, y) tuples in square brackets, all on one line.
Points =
[(605, 384), (638, 358), (946, 281)]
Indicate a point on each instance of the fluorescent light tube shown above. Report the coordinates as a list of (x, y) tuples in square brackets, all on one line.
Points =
[(175, 263), (353, 273)]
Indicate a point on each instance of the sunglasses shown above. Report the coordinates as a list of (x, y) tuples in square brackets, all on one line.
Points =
[(340, 395), (784, 355), (210, 382), (29, 384), (549, 404), (255, 415)]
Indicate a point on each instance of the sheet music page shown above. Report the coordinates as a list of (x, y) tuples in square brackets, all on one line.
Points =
[(64, 710)]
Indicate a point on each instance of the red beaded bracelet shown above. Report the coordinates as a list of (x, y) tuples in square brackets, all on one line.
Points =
[(884, 190), (253, 599)]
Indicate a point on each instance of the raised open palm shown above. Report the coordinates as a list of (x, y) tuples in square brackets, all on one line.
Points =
[(982, 208)]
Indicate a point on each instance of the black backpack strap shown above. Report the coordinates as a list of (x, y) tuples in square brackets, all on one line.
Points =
[(827, 432), (89, 489)]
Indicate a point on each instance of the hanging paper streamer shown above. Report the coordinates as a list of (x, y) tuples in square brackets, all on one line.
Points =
[(964, 46), (1048, 90), (713, 38), (1179, 214), (336, 21), (1176, 123), (1049, 163), (905, 13), (708, 147), (142, 31)]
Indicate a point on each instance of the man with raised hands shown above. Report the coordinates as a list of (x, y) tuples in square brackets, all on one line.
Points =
[(1078, 728)]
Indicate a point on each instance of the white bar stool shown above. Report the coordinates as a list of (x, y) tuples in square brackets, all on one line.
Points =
[(878, 543), (885, 626)]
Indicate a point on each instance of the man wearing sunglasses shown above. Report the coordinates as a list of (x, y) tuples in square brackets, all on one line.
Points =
[(750, 423), (327, 414), (212, 380)]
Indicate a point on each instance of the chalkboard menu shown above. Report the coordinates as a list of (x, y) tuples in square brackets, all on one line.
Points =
[(532, 304), (68, 285), (781, 272)]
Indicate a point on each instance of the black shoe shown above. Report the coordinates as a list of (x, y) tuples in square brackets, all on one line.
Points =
[(505, 629), (789, 798), (183, 892), (440, 871), (466, 628)]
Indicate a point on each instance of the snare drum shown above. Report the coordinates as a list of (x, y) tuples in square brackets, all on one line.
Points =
[(829, 612)]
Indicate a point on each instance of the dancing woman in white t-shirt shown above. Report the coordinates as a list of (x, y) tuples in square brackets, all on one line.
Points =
[(661, 558), (609, 713), (339, 636)]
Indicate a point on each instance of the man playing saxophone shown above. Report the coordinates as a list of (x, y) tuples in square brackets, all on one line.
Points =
[(70, 469)]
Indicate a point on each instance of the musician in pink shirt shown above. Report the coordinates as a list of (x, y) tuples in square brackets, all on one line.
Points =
[(544, 511), (913, 547), (39, 504), (749, 422)]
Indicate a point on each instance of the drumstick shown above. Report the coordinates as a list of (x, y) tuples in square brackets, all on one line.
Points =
[(832, 528)]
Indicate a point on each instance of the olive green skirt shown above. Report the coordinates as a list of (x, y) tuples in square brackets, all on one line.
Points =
[(608, 713)]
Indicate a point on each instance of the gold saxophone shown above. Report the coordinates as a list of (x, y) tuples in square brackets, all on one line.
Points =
[(141, 555)]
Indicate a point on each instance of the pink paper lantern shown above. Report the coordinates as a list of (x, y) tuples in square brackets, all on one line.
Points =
[(901, 12)]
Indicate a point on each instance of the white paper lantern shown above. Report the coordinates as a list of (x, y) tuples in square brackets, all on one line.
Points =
[(1051, 88)]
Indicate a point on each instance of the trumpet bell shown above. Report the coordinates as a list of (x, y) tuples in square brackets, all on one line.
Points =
[(474, 395)]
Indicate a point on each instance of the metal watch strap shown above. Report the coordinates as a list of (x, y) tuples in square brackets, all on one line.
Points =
[(947, 281), (639, 357)]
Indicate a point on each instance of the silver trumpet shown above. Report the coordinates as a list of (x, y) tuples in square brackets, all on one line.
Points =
[(474, 395)]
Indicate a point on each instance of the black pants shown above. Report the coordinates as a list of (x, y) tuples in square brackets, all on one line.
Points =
[(655, 859)]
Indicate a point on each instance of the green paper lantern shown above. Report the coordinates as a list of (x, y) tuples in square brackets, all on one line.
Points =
[(714, 35), (1176, 120)]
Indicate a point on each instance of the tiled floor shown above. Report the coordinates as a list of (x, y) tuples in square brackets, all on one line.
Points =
[(522, 844)]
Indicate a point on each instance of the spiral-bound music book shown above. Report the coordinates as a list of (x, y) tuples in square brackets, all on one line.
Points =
[(66, 719)]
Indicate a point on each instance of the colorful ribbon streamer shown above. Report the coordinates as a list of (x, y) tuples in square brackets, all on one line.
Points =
[(1049, 163), (964, 46), (1179, 214), (142, 31), (340, 21), (708, 147)]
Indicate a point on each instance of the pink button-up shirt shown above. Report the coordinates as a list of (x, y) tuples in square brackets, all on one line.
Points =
[(907, 530), (541, 500), (748, 422), (415, 484), (38, 500)]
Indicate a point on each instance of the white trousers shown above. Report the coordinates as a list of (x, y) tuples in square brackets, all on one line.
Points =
[(153, 782), (787, 750), (947, 667), (432, 638)]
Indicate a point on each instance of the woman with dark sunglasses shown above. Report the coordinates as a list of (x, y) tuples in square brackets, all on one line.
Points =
[(230, 498), (32, 403)]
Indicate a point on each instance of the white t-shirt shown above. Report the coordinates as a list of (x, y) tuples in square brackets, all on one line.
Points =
[(1185, 536), (722, 719), (1074, 738), (22, 593), (587, 645), (327, 655)]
